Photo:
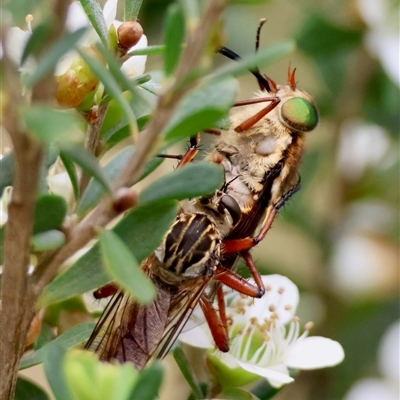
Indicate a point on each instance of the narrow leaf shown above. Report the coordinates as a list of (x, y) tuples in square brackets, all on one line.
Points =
[(131, 9), (88, 163), (49, 60), (50, 125), (27, 390), (111, 170), (187, 372), (123, 267), (50, 212), (71, 338), (141, 229), (173, 37), (71, 171), (53, 368), (201, 108), (148, 51), (192, 180), (148, 384), (96, 17), (37, 40), (109, 83), (47, 240)]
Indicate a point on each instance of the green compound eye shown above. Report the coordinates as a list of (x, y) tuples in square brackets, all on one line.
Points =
[(299, 114)]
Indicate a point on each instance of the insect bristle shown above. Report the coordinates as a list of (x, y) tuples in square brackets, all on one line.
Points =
[(292, 78)]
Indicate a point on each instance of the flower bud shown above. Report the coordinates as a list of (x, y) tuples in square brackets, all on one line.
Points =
[(76, 82), (129, 34)]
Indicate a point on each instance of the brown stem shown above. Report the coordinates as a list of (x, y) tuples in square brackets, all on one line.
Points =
[(91, 142), (16, 292)]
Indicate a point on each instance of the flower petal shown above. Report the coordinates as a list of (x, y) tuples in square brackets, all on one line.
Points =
[(281, 298), (199, 336), (135, 65), (76, 17), (314, 352), (277, 376), (110, 11)]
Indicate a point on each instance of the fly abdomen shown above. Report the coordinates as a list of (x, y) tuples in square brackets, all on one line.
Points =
[(190, 244)]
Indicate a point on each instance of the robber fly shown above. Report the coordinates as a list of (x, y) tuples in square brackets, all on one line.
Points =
[(181, 269), (261, 154)]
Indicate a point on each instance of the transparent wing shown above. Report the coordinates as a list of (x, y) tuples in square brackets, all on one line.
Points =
[(129, 331)]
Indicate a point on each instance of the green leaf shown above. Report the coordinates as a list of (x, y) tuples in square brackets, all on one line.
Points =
[(148, 51), (148, 384), (46, 336), (264, 391), (50, 212), (192, 180), (187, 372), (27, 390), (90, 379), (37, 40), (71, 338), (109, 83), (49, 60), (95, 14), (123, 267), (87, 162), (71, 171), (53, 368), (131, 9), (201, 108), (50, 125), (261, 59), (115, 69), (141, 229), (174, 36), (48, 240), (111, 170)]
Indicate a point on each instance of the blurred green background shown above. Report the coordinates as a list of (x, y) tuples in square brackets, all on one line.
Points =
[(338, 238)]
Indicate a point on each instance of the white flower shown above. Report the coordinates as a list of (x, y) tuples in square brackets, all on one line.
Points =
[(76, 18), (265, 336)]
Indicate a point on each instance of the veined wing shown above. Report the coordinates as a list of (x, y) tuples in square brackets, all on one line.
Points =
[(182, 304), (129, 331)]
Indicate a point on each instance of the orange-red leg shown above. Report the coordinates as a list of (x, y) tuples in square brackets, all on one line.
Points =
[(248, 123), (231, 246), (217, 327)]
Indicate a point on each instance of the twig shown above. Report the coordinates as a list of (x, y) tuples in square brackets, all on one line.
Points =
[(167, 103), (16, 294), (91, 143)]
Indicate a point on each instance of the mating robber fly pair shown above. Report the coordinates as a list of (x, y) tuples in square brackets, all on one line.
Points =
[(260, 155)]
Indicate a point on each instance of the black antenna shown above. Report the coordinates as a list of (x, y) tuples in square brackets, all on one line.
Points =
[(264, 84), (262, 81)]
